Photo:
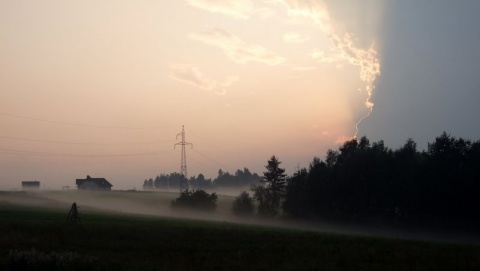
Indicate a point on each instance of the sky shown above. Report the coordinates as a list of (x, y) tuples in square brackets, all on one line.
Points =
[(104, 87)]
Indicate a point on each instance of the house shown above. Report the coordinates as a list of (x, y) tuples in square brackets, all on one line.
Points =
[(30, 185), (90, 183)]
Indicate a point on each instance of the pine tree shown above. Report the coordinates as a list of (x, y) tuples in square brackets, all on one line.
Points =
[(275, 181)]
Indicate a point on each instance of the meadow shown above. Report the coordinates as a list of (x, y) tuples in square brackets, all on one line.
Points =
[(34, 236)]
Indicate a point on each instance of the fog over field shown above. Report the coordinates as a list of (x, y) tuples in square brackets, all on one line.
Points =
[(157, 204), (138, 203), (346, 119)]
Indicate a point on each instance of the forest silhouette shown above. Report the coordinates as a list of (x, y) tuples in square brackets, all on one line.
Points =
[(368, 183), (372, 184)]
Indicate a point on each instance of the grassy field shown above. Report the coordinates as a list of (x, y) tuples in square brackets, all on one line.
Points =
[(128, 202), (36, 238)]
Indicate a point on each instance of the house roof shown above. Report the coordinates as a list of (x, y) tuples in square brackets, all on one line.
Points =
[(30, 183), (99, 181)]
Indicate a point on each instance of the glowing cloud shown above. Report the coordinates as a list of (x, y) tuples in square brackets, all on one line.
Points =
[(240, 9), (264, 13), (316, 10), (305, 69), (235, 48), (295, 38), (191, 75), (326, 58), (344, 50)]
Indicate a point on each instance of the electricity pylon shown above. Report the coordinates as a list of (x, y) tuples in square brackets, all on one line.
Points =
[(183, 163), (73, 217)]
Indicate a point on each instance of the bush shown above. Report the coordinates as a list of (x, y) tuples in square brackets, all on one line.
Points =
[(243, 204), (196, 199)]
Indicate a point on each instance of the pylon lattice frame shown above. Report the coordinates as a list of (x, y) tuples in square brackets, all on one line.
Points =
[(73, 217), (183, 160)]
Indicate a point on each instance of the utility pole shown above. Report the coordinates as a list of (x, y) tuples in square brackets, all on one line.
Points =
[(183, 162)]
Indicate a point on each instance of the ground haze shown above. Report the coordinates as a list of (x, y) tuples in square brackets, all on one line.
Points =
[(37, 238)]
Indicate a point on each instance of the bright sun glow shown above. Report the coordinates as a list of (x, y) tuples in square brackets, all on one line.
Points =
[(246, 78)]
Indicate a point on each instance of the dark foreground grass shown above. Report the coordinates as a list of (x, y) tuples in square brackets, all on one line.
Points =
[(38, 239)]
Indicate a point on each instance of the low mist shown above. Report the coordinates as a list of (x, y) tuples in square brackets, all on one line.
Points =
[(158, 204)]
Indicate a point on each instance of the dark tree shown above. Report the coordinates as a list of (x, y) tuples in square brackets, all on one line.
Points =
[(297, 203), (196, 199), (274, 180), (263, 197), (241, 179), (200, 182), (224, 179), (446, 189), (168, 181), (368, 183), (148, 184), (243, 204)]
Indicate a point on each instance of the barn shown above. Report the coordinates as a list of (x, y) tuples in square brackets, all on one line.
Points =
[(30, 185), (90, 183)]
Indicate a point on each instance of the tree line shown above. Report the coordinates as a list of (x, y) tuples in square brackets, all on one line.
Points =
[(369, 183), (240, 179)]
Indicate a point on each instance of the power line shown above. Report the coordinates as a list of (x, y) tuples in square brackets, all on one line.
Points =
[(84, 125), (201, 138), (201, 163), (208, 158), (49, 154), (211, 146), (83, 143)]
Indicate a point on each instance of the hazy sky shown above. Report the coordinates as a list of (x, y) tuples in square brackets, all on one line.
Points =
[(103, 87)]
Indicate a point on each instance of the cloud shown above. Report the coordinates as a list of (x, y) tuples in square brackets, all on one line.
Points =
[(316, 10), (344, 49), (191, 75), (240, 9), (235, 48), (321, 56), (264, 13), (304, 69), (295, 38)]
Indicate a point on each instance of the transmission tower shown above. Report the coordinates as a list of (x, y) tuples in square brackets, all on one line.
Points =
[(73, 217), (183, 162)]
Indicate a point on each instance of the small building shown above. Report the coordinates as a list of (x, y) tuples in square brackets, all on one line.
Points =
[(90, 183), (30, 185)]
